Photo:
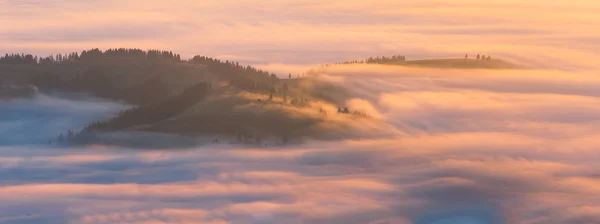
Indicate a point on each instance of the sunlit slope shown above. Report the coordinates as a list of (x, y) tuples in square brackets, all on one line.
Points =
[(243, 112), (461, 63), (227, 112)]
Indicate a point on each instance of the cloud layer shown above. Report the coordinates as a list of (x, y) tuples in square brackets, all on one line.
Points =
[(476, 146), (43, 117)]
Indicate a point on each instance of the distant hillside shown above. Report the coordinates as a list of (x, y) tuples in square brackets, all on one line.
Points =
[(459, 63)]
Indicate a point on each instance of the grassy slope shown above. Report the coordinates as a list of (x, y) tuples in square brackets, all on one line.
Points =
[(461, 64), (229, 111)]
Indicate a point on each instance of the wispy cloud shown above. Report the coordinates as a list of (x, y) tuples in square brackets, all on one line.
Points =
[(44, 117), (470, 145)]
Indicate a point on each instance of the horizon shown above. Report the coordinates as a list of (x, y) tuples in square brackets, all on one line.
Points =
[(279, 73), (294, 35)]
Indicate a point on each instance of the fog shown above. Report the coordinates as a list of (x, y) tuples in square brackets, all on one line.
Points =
[(43, 117), (476, 146), (467, 146)]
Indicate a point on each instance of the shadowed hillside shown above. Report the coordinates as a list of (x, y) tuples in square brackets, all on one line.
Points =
[(131, 75), (153, 112)]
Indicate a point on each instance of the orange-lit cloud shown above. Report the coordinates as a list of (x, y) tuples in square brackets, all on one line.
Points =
[(517, 144), (541, 33)]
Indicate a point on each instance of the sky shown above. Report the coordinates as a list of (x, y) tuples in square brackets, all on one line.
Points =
[(294, 34), (468, 146)]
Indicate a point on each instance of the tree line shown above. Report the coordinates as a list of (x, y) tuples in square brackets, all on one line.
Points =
[(375, 60), (90, 55), (19, 59), (228, 68), (241, 76)]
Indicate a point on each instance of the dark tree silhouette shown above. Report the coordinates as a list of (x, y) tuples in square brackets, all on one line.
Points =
[(91, 56), (378, 60), (98, 72), (18, 59)]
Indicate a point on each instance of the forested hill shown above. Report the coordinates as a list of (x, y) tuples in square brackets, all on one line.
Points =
[(133, 75), (201, 95)]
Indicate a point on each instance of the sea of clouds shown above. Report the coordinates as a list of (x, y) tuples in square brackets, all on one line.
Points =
[(473, 146)]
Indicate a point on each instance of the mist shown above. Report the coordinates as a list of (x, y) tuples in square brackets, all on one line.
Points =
[(477, 146), (43, 117)]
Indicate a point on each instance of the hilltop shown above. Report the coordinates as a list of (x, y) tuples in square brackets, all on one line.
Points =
[(458, 63), (461, 64)]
